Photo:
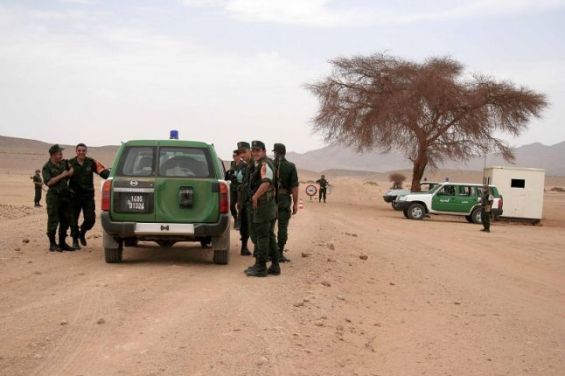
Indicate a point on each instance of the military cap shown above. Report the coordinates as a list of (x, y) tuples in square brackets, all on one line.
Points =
[(279, 148), (55, 149), (257, 145), (242, 145)]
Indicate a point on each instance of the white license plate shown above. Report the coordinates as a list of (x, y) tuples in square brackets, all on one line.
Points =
[(131, 202)]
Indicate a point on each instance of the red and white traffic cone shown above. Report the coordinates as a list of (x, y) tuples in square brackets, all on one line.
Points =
[(300, 204)]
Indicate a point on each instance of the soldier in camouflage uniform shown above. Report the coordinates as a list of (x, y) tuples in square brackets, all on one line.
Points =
[(244, 208), (264, 213), (286, 184), (486, 207), (38, 185), (81, 185), (56, 173), (323, 188), (231, 177)]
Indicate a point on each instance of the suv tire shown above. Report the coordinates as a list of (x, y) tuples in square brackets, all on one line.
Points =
[(416, 211), (476, 216), (221, 257), (113, 248), (395, 206)]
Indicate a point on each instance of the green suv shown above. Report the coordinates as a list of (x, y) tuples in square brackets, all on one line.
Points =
[(449, 198), (166, 191)]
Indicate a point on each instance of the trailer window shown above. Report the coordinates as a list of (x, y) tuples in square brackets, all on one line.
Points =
[(518, 183)]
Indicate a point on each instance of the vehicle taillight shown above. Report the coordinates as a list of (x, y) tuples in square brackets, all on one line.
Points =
[(224, 198), (500, 203), (106, 195)]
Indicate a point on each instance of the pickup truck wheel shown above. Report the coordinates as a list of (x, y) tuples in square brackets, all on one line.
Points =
[(405, 213), (416, 211), (221, 247), (113, 248), (476, 216), (221, 257), (469, 218)]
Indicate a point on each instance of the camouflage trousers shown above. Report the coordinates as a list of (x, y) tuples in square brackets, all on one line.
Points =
[(264, 217), (283, 218), (82, 203), (59, 213)]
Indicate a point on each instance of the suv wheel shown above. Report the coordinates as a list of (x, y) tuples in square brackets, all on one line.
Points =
[(221, 257), (395, 206), (405, 213), (476, 216), (113, 248), (469, 218), (416, 211)]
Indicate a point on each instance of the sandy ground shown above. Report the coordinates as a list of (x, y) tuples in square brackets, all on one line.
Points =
[(367, 293)]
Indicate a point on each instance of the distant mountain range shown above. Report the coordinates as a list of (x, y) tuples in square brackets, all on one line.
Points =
[(18, 154), (536, 155)]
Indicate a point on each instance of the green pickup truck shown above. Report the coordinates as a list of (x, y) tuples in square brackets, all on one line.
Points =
[(166, 191), (449, 198)]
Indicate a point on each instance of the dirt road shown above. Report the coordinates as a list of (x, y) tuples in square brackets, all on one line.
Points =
[(367, 293)]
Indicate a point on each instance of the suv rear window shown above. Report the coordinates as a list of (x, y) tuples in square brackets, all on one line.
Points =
[(137, 161), (183, 162)]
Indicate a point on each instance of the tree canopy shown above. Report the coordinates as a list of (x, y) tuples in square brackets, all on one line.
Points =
[(427, 110)]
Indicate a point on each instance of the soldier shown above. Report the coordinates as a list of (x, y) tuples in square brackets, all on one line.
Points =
[(56, 173), (486, 207), (38, 184), (286, 185), (323, 187), (230, 176), (264, 213), (244, 208), (82, 193)]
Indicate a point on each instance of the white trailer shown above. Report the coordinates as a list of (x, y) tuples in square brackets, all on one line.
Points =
[(521, 188)]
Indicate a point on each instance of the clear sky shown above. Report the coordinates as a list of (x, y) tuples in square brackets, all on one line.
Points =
[(222, 71)]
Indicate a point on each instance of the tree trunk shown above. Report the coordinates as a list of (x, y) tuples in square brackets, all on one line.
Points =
[(418, 170)]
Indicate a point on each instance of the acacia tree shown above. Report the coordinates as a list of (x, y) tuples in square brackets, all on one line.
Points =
[(426, 110)]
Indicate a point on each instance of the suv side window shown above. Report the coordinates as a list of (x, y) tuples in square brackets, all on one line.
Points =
[(447, 190), (183, 162), (464, 190), (137, 161)]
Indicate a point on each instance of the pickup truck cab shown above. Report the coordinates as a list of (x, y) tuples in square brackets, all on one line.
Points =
[(449, 198), (166, 191)]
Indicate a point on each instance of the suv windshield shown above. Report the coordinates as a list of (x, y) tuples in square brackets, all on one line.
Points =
[(183, 162)]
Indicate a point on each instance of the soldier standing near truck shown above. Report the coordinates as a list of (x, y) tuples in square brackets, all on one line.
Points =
[(231, 177), (56, 173), (81, 185), (286, 184), (243, 195), (486, 208), (264, 213)]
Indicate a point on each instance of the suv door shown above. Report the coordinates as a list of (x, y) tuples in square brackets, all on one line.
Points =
[(466, 198), (133, 187), (444, 199), (186, 188)]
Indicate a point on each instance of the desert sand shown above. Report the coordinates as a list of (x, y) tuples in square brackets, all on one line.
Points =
[(368, 292)]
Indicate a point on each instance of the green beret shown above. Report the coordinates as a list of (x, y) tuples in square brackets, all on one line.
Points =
[(242, 145), (279, 148), (257, 145)]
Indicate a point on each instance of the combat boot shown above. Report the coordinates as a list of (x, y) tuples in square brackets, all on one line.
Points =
[(251, 267), (82, 238), (62, 245), (274, 269), (257, 270), (282, 257), (52, 244), (75, 244), (244, 250)]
